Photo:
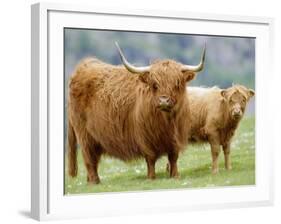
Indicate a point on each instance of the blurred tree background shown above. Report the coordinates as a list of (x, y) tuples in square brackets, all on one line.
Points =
[(228, 59)]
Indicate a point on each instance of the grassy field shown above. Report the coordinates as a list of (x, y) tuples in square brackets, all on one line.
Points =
[(194, 167)]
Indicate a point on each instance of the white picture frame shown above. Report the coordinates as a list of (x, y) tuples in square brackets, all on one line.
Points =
[(47, 198)]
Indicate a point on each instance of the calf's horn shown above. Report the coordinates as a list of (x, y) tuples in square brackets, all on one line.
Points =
[(129, 67), (196, 68)]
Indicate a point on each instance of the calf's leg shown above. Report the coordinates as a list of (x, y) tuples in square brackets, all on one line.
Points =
[(215, 150), (213, 137), (227, 161)]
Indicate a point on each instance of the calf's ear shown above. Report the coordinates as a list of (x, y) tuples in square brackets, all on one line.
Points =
[(251, 93), (223, 93)]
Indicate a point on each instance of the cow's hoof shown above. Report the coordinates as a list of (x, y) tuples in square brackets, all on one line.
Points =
[(177, 177), (95, 180), (151, 177)]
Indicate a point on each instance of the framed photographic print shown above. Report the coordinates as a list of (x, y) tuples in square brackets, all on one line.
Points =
[(148, 111)]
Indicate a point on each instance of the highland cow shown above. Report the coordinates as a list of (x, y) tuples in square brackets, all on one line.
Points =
[(215, 115), (128, 112)]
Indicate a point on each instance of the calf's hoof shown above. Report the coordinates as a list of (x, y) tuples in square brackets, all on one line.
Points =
[(228, 168), (168, 168), (215, 171)]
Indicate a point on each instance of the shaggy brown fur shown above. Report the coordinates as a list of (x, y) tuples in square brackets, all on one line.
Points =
[(112, 111), (215, 115)]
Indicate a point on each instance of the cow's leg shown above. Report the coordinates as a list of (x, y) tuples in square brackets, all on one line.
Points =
[(91, 158), (227, 161), (95, 158), (150, 161), (173, 158)]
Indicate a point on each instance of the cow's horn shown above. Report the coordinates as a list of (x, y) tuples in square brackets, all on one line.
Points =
[(131, 68), (196, 68)]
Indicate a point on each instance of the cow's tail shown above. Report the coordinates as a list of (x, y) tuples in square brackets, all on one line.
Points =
[(72, 151)]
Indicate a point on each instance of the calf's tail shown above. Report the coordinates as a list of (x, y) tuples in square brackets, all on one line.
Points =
[(72, 151)]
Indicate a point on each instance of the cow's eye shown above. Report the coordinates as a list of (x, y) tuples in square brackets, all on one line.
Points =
[(154, 86)]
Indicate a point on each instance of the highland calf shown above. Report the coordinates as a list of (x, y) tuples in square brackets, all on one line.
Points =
[(215, 115), (128, 112)]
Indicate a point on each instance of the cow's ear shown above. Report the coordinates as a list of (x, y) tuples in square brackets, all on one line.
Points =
[(223, 93), (143, 78), (188, 75), (251, 93)]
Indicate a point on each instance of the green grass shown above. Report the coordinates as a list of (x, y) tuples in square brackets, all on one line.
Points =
[(194, 166)]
